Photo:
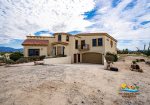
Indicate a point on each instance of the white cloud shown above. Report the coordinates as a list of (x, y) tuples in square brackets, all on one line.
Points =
[(120, 23), (22, 17)]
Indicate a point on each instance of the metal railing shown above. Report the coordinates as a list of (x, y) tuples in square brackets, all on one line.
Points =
[(84, 47)]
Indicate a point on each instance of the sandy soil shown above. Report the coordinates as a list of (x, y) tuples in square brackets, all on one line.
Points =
[(71, 84)]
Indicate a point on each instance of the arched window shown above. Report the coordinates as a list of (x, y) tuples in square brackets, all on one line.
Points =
[(59, 37)]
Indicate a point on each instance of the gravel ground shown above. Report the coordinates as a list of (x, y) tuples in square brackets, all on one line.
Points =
[(71, 84)]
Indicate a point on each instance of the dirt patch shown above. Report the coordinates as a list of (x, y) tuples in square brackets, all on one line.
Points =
[(72, 84)]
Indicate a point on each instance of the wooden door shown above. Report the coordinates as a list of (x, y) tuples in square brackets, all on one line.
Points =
[(75, 58)]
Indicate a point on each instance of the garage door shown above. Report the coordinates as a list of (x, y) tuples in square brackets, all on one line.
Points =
[(92, 57)]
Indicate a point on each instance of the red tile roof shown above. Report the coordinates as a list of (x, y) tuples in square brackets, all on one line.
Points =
[(35, 42)]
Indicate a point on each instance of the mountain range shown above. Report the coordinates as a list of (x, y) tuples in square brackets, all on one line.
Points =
[(10, 49)]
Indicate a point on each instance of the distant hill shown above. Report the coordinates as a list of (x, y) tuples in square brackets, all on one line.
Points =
[(9, 49)]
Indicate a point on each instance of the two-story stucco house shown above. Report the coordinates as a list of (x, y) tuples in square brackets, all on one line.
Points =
[(84, 47)]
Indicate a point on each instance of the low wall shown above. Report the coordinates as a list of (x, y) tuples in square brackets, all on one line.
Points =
[(59, 60)]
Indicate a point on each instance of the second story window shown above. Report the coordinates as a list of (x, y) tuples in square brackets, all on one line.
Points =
[(94, 42), (67, 38), (59, 37), (76, 44), (111, 43), (100, 42)]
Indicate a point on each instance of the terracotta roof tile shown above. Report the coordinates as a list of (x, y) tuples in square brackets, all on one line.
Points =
[(35, 42)]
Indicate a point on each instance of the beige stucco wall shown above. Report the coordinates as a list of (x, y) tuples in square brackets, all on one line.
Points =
[(88, 40), (98, 49), (43, 50), (60, 60), (108, 47), (70, 48), (50, 39)]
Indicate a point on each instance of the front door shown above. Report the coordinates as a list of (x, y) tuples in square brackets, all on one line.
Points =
[(78, 57), (75, 58), (58, 50)]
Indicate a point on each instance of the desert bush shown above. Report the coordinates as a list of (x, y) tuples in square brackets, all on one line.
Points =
[(15, 56), (134, 62), (137, 60), (9, 61)]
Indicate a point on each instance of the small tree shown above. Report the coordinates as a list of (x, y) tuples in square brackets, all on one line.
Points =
[(15, 56)]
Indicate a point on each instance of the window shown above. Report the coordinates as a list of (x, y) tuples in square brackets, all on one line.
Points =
[(76, 44), (100, 42), (34, 52), (67, 38), (82, 43), (111, 43), (59, 37), (94, 42)]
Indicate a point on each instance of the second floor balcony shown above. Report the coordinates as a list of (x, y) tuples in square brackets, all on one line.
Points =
[(84, 47)]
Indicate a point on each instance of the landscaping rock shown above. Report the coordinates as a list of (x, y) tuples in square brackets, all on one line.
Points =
[(135, 67), (147, 62), (113, 68)]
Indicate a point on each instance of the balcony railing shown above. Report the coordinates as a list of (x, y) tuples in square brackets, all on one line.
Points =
[(84, 47)]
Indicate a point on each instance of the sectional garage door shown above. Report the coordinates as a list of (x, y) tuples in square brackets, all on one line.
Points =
[(92, 57)]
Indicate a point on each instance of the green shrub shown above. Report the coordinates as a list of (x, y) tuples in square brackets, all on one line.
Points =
[(111, 57), (1, 59), (15, 56), (36, 58), (42, 57), (22, 60), (147, 52)]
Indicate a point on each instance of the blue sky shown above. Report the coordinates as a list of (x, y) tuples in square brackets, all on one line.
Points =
[(126, 20)]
